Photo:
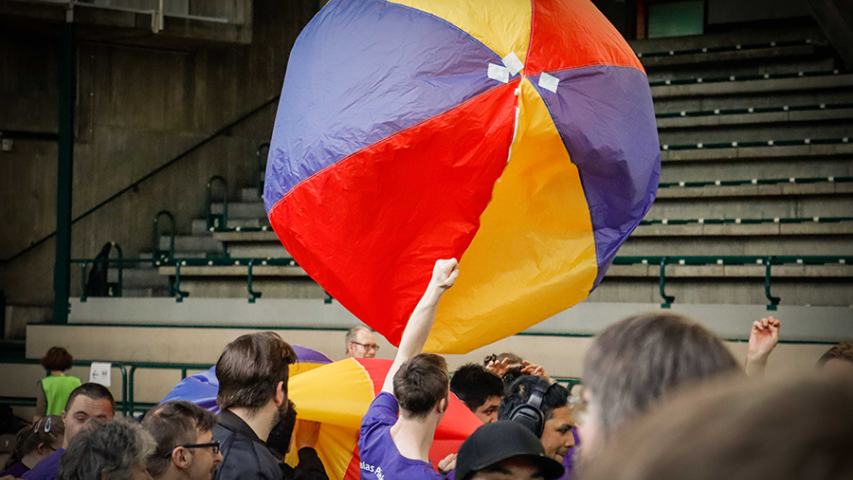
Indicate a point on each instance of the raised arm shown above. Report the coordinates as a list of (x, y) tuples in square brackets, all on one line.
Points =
[(417, 330), (762, 340)]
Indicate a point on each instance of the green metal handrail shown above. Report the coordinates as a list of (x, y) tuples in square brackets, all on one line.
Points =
[(745, 221), (753, 144), (748, 110), (262, 165), (667, 299), (120, 262), (755, 181), (217, 222), (157, 252), (253, 295), (131, 380), (744, 78), (726, 48), (766, 261), (662, 261)]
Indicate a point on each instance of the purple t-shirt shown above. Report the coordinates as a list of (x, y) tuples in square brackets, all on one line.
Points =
[(569, 459), (46, 469), (16, 470), (380, 459)]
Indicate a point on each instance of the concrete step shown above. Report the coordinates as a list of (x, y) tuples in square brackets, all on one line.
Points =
[(768, 54), (830, 291), (250, 195), (744, 230), (779, 189), (773, 118), (760, 154), (754, 100), (141, 292), (138, 278), (242, 210), (258, 250), (773, 66), (728, 243), (194, 243), (789, 206), (733, 271), (757, 167), (199, 225), (729, 38), (235, 271), (208, 287), (753, 87), (706, 135)]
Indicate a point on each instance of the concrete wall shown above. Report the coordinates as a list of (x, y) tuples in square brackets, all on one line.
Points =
[(137, 108)]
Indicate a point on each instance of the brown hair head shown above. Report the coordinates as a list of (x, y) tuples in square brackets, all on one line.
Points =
[(57, 359), (173, 424), (739, 430), (250, 369), (420, 384), (49, 430), (635, 361), (95, 391), (841, 351)]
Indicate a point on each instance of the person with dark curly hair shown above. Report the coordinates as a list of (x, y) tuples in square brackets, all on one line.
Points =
[(54, 389)]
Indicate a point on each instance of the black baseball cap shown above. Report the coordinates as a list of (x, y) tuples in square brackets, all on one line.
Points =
[(495, 442)]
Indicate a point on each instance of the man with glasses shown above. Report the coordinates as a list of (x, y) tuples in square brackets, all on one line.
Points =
[(185, 445), (361, 343)]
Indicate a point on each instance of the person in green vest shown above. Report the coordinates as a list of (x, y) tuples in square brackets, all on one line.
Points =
[(54, 389)]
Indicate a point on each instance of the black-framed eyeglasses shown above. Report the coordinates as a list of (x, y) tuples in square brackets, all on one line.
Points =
[(375, 348), (214, 445)]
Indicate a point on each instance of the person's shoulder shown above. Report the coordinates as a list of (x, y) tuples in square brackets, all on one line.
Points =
[(382, 413)]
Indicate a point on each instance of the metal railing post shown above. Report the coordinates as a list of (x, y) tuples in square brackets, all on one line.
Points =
[(774, 301), (179, 294), (216, 222), (123, 387), (667, 299), (157, 252), (253, 294), (131, 380)]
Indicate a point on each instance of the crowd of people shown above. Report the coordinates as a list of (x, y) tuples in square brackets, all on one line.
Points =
[(662, 397)]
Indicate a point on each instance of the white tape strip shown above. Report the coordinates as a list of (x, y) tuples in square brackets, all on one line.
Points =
[(549, 82), (499, 73), (513, 63)]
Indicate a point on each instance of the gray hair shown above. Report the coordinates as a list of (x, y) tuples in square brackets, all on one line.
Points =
[(352, 334), (106, 451), (632, 363)]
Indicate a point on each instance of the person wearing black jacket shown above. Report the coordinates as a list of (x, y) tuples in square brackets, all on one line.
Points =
[(310, 466), (253, 373)]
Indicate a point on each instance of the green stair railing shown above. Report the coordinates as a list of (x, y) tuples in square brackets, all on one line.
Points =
[(767, 261), (217, 221), (158, 253), (755, 181)]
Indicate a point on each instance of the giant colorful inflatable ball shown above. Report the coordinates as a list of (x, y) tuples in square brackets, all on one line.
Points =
[(517, 136)]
